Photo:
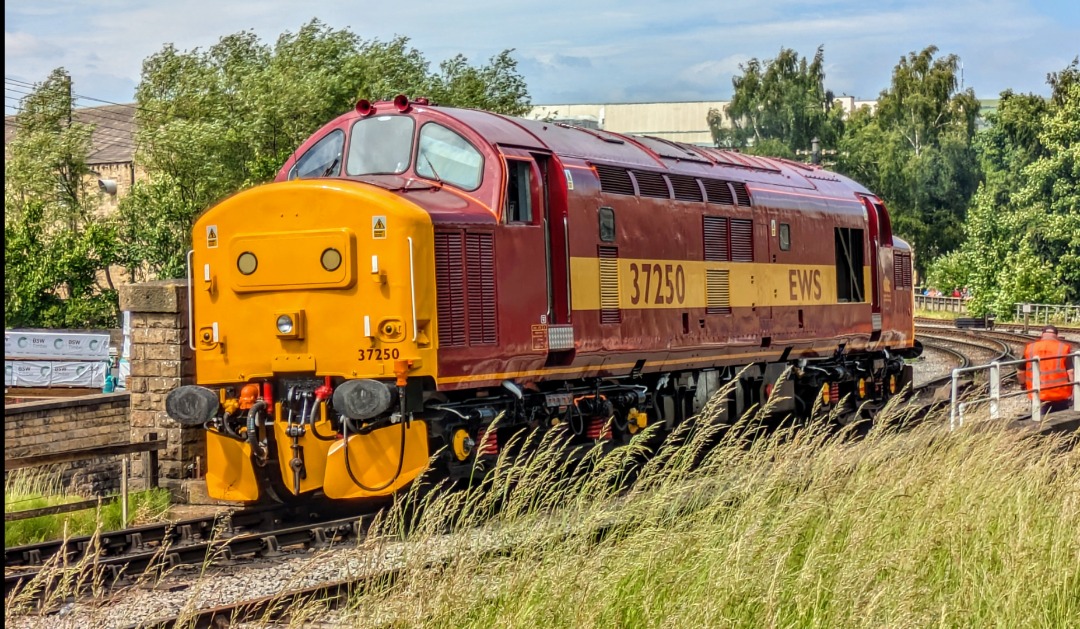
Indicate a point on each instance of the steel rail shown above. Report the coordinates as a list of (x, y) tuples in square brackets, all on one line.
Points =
[(262, 543)]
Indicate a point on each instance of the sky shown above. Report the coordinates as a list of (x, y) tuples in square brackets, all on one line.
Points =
[(587, 51)]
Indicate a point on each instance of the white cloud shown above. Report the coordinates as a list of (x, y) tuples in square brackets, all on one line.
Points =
[(587, 50)]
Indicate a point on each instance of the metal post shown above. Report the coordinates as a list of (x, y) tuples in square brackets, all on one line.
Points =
[(995, 389), (952, 405), (123, 492), (151, 464), (1036, 398), (1076, 382)]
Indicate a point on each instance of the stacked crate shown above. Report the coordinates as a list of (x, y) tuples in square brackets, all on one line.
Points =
[(55, 358)]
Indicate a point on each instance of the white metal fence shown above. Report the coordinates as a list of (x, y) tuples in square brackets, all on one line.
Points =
[(956, 410), (1048, 313), (941, 304)]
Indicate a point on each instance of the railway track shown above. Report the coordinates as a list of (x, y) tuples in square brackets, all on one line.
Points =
[(967, 347), (124, 556)]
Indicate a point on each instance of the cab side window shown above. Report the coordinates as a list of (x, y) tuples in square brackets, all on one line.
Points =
[(321, 160), (518, 191)]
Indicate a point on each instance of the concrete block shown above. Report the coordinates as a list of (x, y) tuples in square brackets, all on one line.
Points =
[(147, 297)]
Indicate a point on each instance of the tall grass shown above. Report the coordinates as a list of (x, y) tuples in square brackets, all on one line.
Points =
[(28, 489), (742, 527), (737, 524)]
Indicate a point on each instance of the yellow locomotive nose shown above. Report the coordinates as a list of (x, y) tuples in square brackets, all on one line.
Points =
[(313, 278), (330, 277)]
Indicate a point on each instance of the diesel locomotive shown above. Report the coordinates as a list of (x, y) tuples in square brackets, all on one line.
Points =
[(416, 271)]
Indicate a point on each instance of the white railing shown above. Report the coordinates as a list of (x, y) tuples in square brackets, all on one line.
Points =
[(1048, 313), (942, 304), (956, 407)]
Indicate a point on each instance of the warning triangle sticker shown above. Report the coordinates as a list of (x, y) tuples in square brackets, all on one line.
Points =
[(211, 233), (379, 224)]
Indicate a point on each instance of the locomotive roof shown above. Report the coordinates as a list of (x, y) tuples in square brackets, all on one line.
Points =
[(647, 152)]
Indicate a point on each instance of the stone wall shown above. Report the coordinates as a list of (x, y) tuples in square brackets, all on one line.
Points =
[(44, 427), (160, 362)]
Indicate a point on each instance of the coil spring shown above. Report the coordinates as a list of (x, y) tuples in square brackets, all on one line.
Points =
[(489, 443), (598, 429)]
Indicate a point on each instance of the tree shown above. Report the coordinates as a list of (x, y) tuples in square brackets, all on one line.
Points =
[(1023, 229), (217, 121), (915, 150), (779, 106), (54, 245), (495, 87)]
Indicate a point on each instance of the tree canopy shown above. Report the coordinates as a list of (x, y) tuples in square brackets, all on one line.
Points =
[(1023, 229), (215, 121), (779, 106), (54, 244), (916, 151)]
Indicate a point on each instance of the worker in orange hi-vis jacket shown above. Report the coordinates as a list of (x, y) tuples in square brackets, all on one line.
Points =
[(1055, 375)]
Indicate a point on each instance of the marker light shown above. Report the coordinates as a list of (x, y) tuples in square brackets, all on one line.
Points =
[(247, 263), (331, 259)]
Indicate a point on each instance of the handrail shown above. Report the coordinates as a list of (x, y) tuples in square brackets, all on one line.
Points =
[(956, 407), (82, 454), (412, 290), (190, 302), (152, 445)]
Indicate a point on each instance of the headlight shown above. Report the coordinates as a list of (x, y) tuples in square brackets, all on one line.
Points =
[(285, 324)]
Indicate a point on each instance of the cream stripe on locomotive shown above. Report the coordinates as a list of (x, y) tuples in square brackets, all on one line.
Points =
[(633, 284)]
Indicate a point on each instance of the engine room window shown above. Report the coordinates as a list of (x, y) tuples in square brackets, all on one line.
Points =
[(446, 156), (849, 265), (518, 191), (785, 237), (321, 160), (380, 145), (607, 224)]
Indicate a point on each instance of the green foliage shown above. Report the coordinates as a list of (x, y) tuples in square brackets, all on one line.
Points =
[(215, 121), (779, 106), (54, 245), (25, 490), (916, 151), (1023, 229), (494, 87)]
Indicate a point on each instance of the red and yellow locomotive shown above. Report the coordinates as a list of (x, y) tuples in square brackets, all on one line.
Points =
[(415, 271)]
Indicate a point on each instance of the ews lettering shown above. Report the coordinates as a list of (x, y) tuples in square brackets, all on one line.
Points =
[(804, 284)]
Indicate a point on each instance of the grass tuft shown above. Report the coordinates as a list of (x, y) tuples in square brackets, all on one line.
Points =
[(747, 527)]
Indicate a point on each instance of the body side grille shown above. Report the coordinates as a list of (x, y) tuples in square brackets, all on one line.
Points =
[(651, 184), (609, 285), (480, 252), (686, 188), (742, 240), (614, 180), (450, 287)]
